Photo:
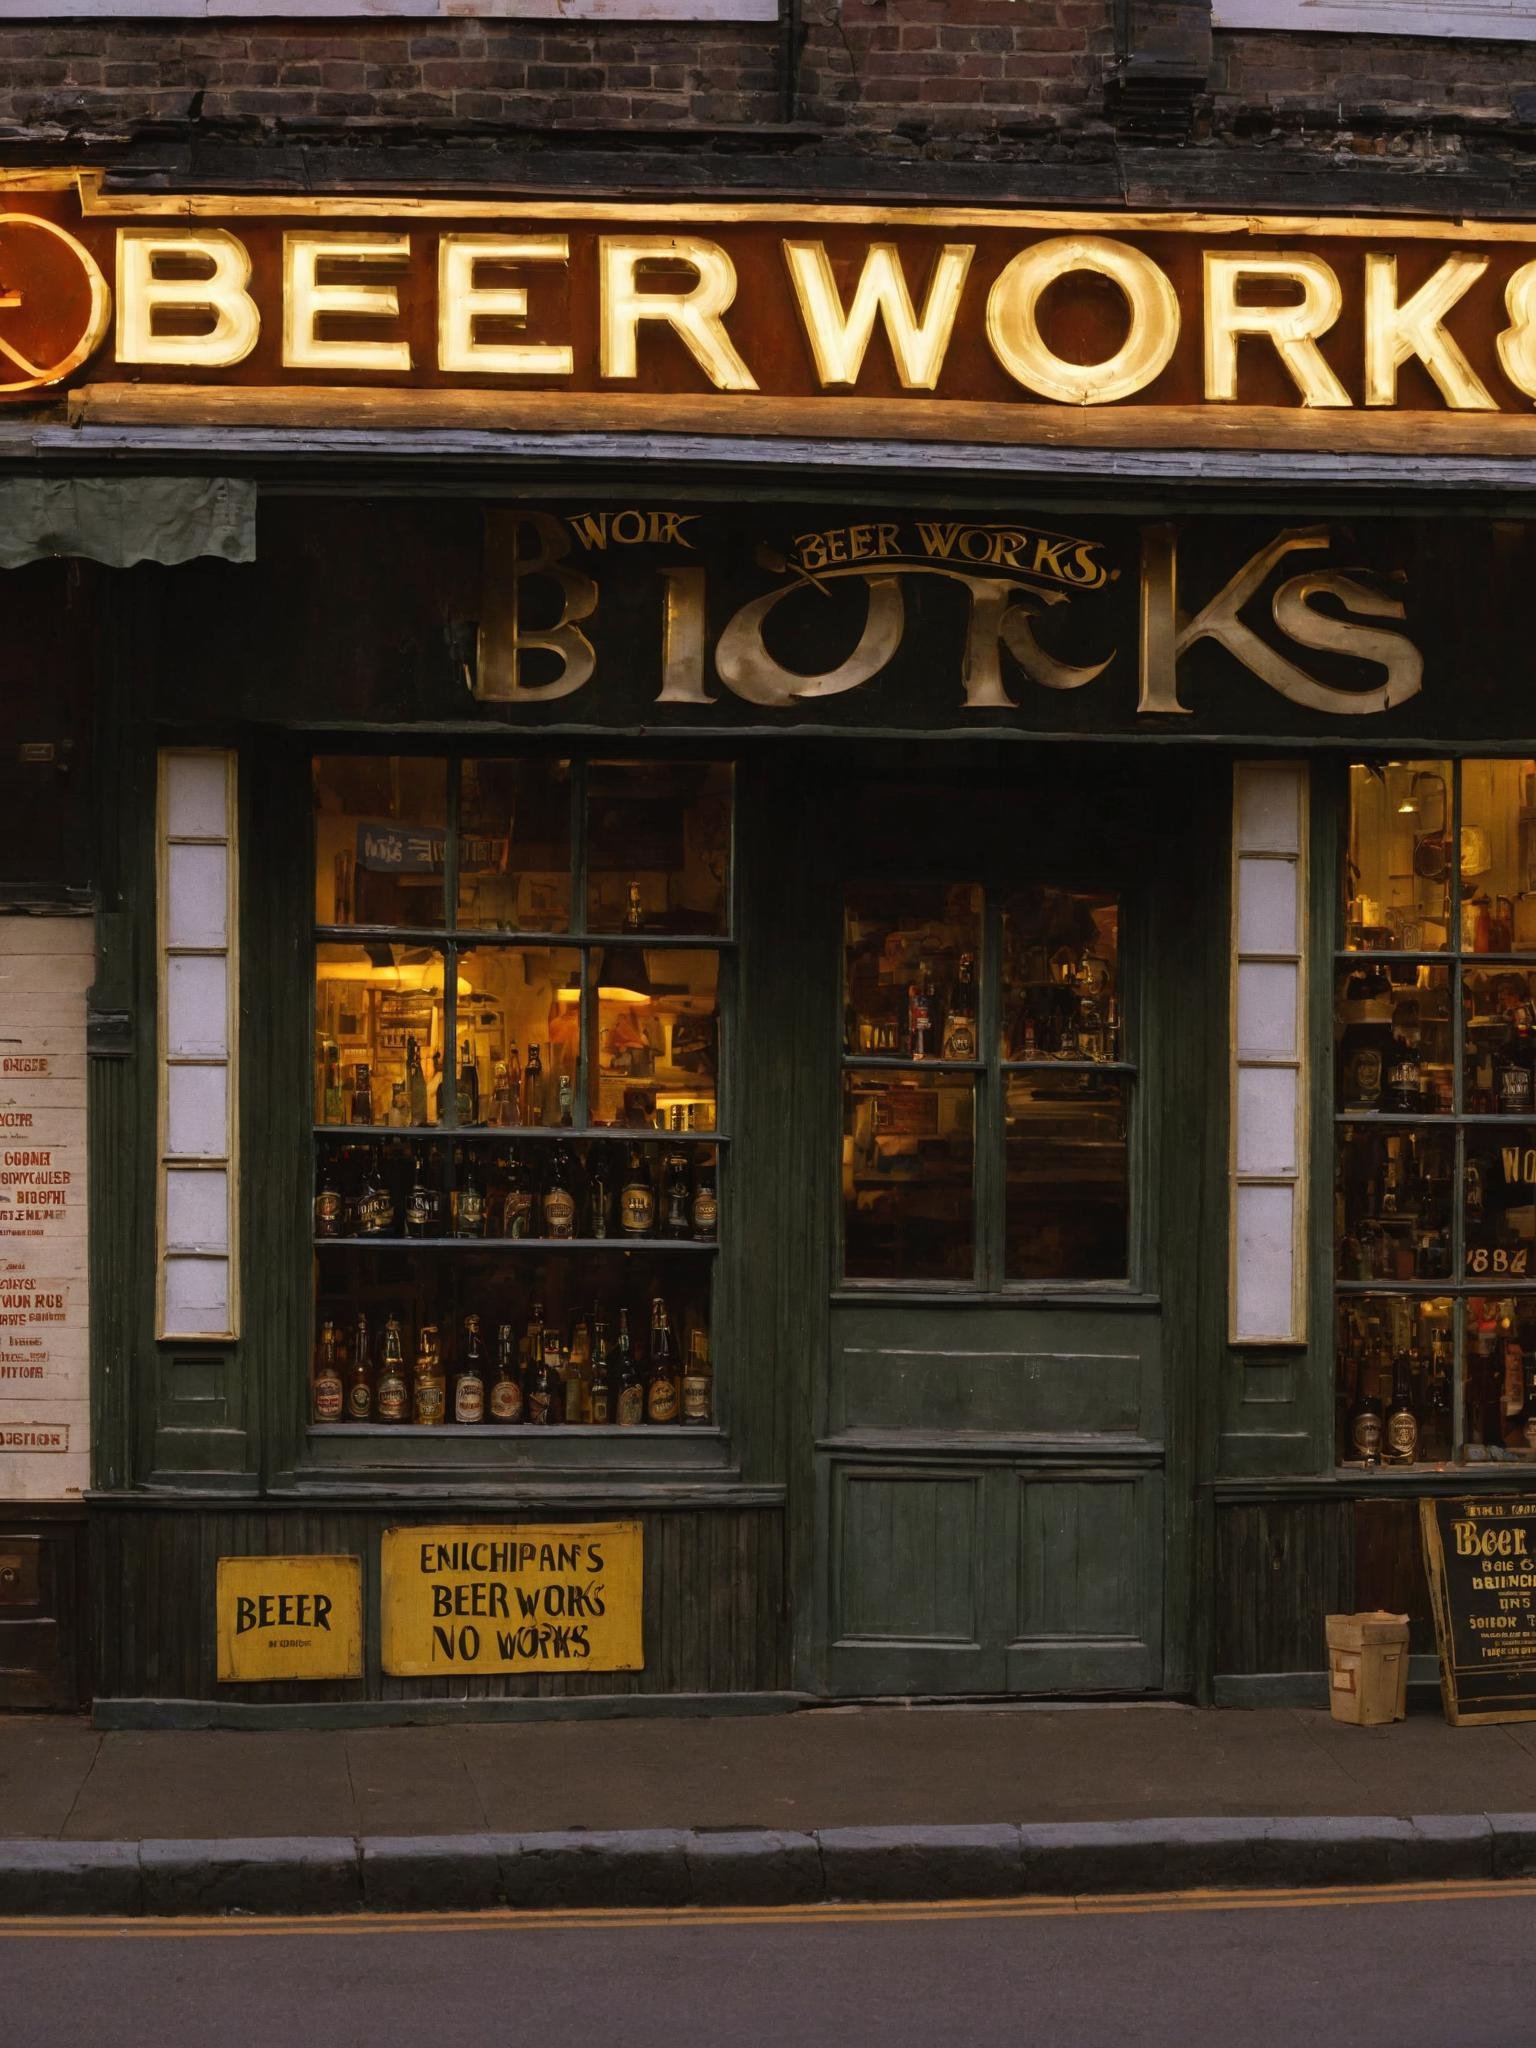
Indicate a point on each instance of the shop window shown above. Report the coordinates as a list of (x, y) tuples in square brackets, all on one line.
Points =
[(518, 1129), (1435, 1095), (986, 1092)]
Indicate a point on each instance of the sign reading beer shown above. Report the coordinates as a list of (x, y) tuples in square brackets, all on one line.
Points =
[(988, 319), (1481, 1560), (511, 1597), (289, 1617)]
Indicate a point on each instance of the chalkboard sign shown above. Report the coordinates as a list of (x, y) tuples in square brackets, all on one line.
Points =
[(1481, 1559)]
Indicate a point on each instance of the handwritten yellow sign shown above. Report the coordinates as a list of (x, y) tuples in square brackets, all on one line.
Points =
[(289, 1617), (502, 1596)]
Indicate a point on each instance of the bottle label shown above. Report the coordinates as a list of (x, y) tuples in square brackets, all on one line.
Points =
[(960, 1039), (539, 1405), (471, 1212), (506, 1401), (1404, 1080), (706, 1211), (1403, 1436), (469, 1400), (602, 1405), (420, 1211), (391, 1398), (327, 1212), (661, 1400), (360, 1401), (1515, 1088), (431, 1401), (517, 1213), (696, 1401), (376, 1213), (560, 1212), (1366, 1432), (631, 1408), (637, 1210), (1365, 1076), (1528, 1431), (328, 1398)]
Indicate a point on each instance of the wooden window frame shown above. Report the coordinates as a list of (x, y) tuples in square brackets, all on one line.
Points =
[(1445, 19)]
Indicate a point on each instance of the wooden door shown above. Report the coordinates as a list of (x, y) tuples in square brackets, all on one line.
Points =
[(992, 1449)]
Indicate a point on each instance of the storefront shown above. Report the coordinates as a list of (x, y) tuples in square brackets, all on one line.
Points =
[(741, 1046)]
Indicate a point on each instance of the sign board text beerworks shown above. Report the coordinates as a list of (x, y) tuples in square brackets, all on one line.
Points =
[(510, 1596), (289, 1617), (758, 317), (1481, 1559)]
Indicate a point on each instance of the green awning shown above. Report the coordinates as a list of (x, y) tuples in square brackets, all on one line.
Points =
[(123, 520)]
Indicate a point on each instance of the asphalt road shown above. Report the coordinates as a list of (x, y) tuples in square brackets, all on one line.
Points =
[(1422, 1967)]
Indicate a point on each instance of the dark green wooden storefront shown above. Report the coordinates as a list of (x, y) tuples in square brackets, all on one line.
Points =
[(966, 1489)]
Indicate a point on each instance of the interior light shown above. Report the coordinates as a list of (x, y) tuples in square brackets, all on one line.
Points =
[(623, 977)]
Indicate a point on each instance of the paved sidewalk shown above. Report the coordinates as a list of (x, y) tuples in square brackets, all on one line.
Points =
[(826, 1767)]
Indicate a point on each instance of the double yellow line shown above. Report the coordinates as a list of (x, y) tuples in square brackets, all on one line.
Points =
[(502, 1920)]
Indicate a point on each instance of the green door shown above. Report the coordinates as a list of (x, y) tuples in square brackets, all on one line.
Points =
[(1022, 971)]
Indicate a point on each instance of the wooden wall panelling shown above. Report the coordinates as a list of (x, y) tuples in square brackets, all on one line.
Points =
[(1281, 1565)]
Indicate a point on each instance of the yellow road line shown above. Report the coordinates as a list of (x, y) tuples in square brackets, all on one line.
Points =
[(503, 1920)]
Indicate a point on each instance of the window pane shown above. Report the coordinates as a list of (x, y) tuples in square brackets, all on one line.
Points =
[(196, 795), (196, 1296), (1499, 1008), (908, 1145), (515, 845), (1498, 856), (1499, 1377), (1394, 1196), (658, 846), (380, 828), (1061, 952), (1392, 1031), (197, 1112), (1067, 1196), (197, 1006), (379, 1025), (1499, 1189), (519, 1051), (910, 954), (657, 1037), (197, 896), (1398, 873), (1388, 1341)]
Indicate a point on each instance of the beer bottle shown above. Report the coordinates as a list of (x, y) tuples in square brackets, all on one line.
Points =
[(533, 1087), (578, 1375), (543, 1405), (376, 1204), (361, 1111), (503, 1110), (634, 915), (1365, 1422), (600, 1193), (431, 1387), (1516, 1068), (661, 1387), (423, 1201), (469, 1382), (517, 1211), (391, 1396), (698, 1382), (360, 1374), (328, 1399), (415, 1083), (468, 1093), (507, 1388), (1435, 1432), (601, 1390), (533, 1338), (566, 1095), (328, 1200), (960, 1023), (469, 1198), (920, 1045), (1402, 1425), (333, 1098), (559, 1204), (629, 1388), (676, 1194), (637, 1196), (705, 1213)]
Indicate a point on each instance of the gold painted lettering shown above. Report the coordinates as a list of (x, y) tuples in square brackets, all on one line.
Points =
[(693, 314), (306, 301), (462, 302), (219, 296), (840, 338), (1395, 332), (682, 638), (504, 639), (1014, 333), (1293, 329), (747, 668)]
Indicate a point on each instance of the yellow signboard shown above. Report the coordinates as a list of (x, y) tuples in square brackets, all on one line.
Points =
[(502, 1596), (289, 1617)]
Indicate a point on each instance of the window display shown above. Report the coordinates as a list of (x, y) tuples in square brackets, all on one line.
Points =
[(940, 1104), (518, 1154), (1435, 1076)]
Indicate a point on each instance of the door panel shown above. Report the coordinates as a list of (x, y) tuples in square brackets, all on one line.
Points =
[(1086, 1554)]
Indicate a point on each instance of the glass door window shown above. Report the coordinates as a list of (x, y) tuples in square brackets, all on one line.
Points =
[(986, 1086)]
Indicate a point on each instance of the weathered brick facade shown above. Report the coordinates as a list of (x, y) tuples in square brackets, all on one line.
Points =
[(914, 81)]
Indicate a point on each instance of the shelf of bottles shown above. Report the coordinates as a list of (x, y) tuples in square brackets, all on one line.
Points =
[(519, 1163), (967, 1013), (1435, 1097)]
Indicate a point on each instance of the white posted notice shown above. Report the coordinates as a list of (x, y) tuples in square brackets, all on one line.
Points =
[(46, 966)]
